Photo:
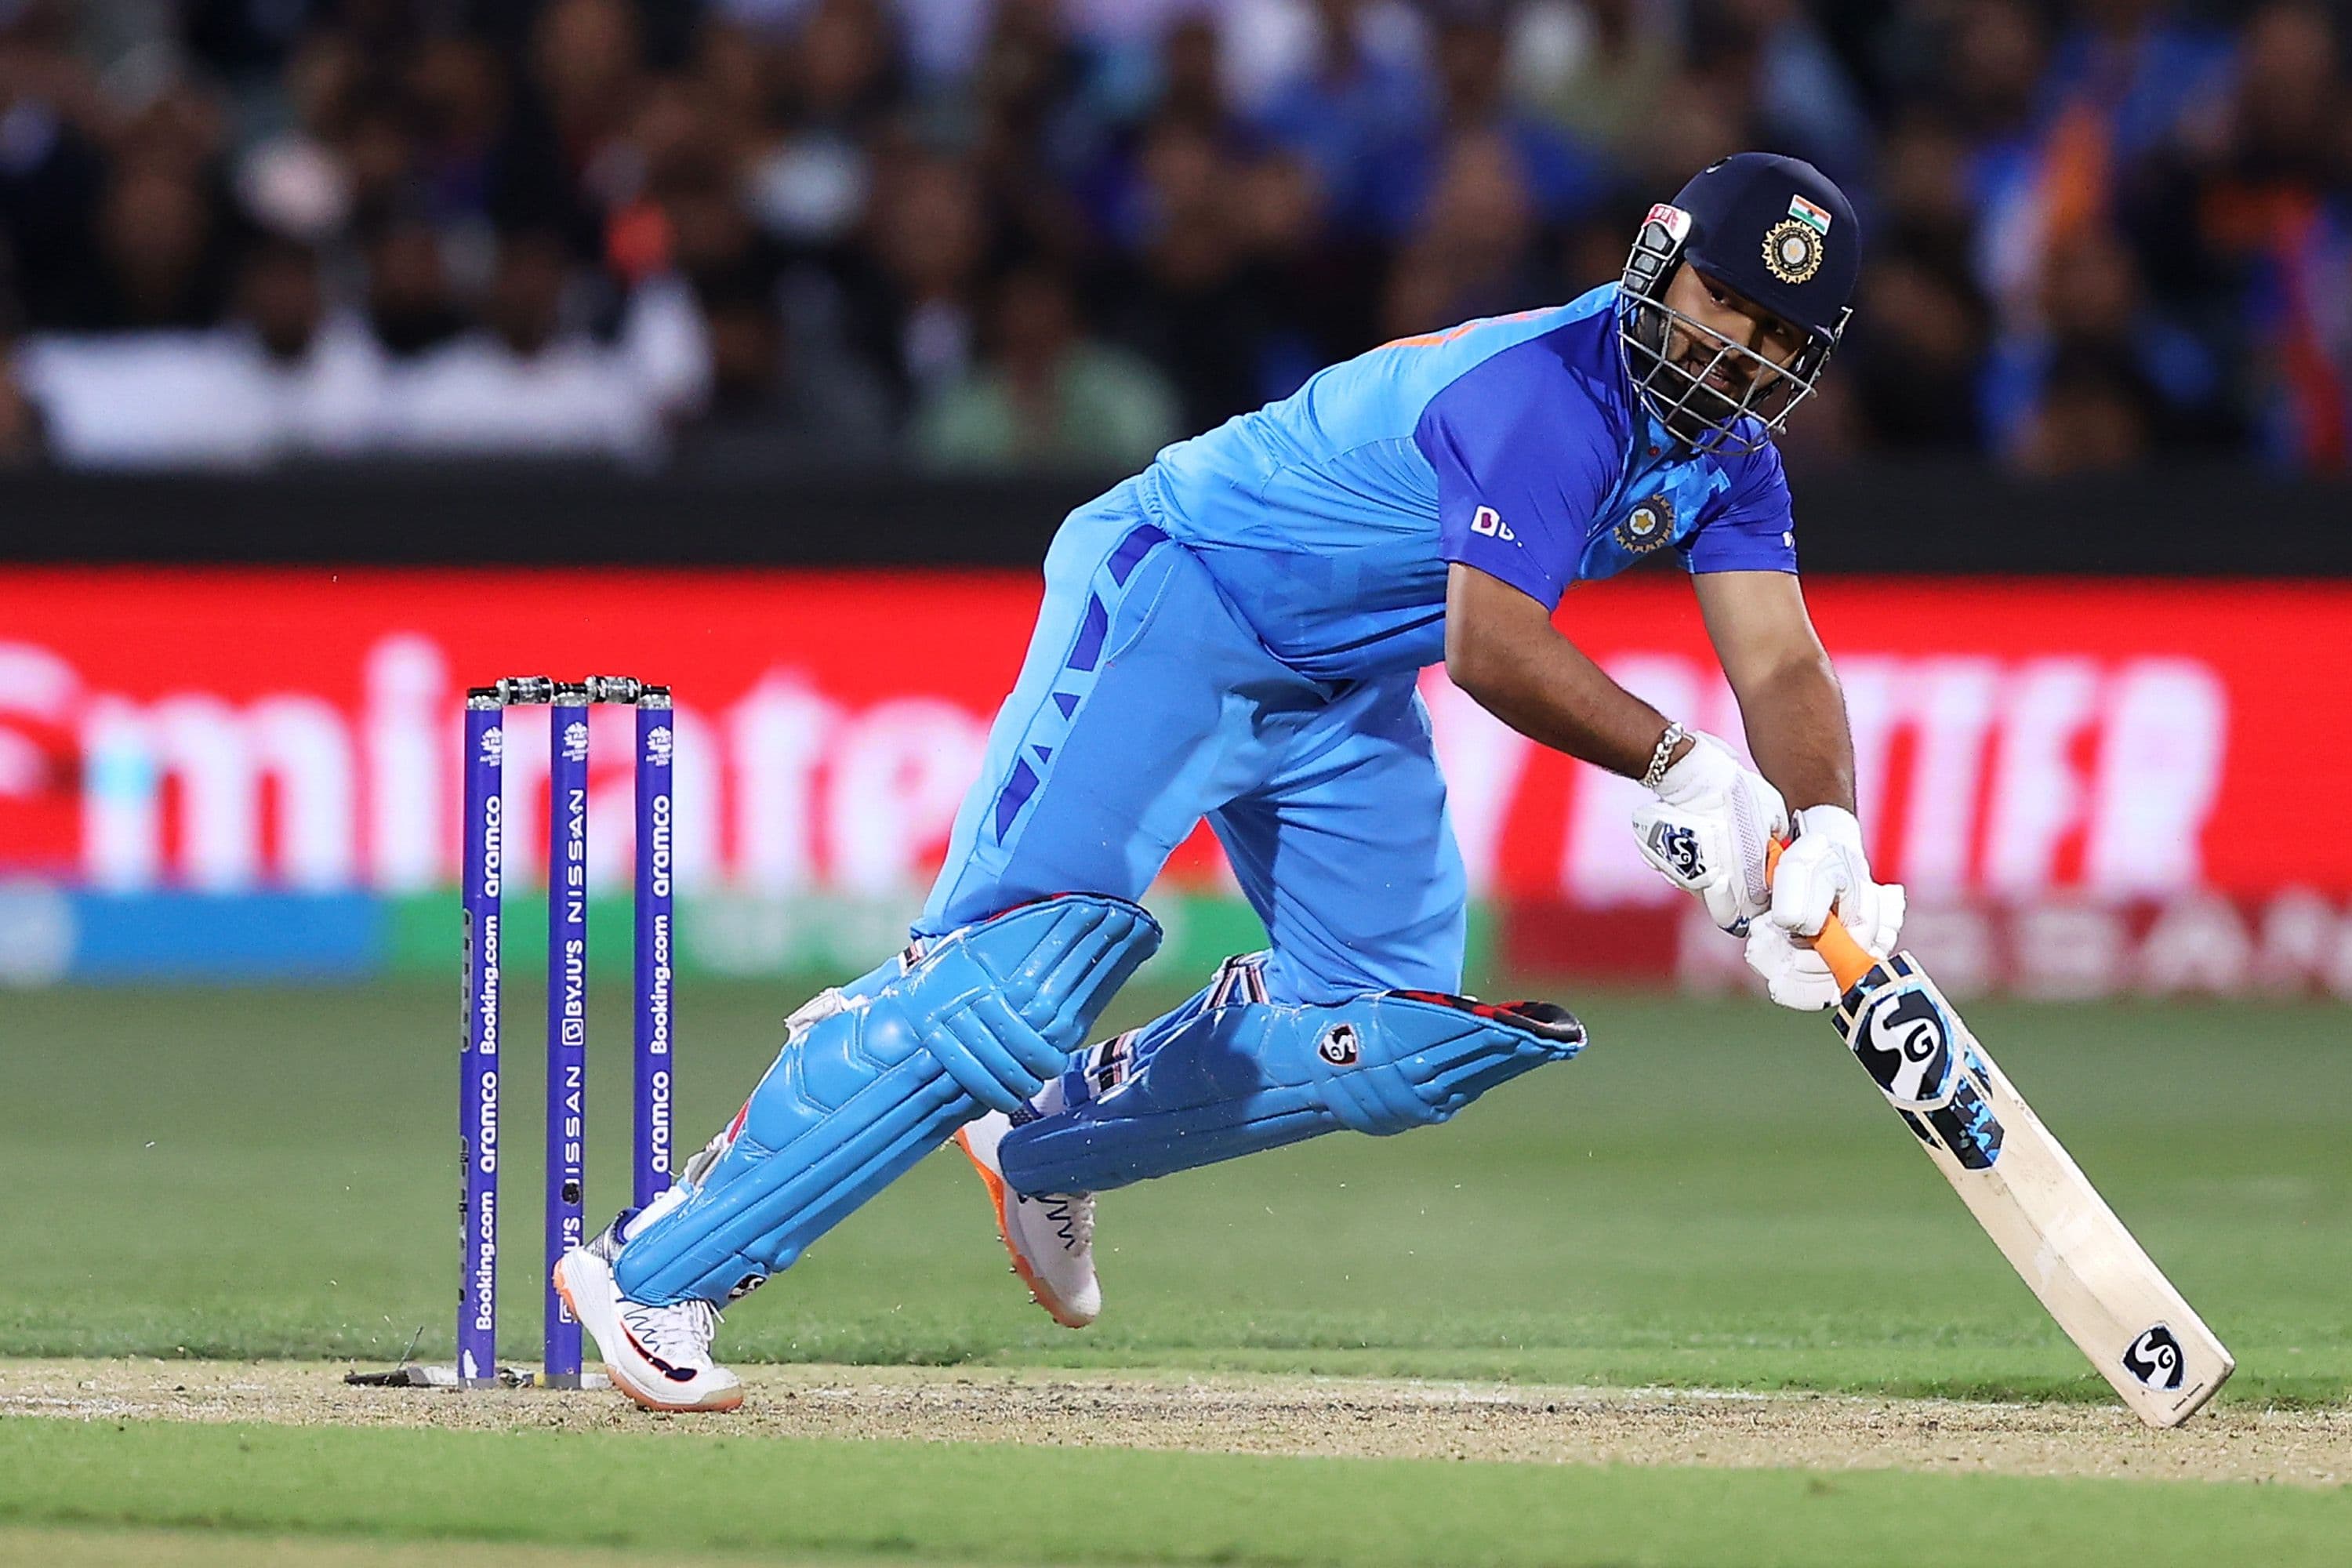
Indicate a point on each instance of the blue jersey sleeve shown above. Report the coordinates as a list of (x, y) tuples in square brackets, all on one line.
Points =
[(1524, 456), (1752, 529)]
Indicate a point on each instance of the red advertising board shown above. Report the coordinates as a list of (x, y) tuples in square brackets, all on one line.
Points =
[(2019, 741)]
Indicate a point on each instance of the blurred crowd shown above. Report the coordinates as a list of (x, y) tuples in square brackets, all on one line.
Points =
[(1003, 233)]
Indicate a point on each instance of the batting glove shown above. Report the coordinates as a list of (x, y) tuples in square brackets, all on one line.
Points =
[(1707, 830), (1825, 867)]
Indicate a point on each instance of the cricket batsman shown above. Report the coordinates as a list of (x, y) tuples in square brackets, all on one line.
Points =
[(1236, 634)]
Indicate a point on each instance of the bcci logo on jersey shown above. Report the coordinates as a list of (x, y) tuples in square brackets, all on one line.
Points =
[(1647, 526)]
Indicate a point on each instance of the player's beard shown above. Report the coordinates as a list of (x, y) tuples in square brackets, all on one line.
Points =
[(1702, 383), (1718, 384), (1708, 396)]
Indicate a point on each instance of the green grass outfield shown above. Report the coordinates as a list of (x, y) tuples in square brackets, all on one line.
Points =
[(1712, 1195), (975, 1503)]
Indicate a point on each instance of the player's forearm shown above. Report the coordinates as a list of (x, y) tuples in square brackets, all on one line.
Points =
[(1543, 686), (1797, 731), (1502, 649)]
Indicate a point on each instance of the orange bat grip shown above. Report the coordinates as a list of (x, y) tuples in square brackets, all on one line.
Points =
[(1848, 960)]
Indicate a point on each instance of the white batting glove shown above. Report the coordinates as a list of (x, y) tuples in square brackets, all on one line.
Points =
[(1707, 830), (1824, 866), (1833, 871), (1796, 976)]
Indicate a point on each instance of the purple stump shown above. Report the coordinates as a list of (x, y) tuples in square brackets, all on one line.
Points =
[(477, 1096), (657, 743), (567, 1016)]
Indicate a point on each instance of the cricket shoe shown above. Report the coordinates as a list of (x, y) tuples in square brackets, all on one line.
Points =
[(659, 1356), (1050, 1236)]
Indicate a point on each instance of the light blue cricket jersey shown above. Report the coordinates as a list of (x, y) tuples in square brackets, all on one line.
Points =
[(1514, 445)]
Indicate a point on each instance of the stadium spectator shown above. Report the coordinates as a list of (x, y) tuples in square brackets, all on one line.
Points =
[(1804, 100), (776, 400), (1048, 396), (1602, 68), (836, 86), (2095, 312), (912, 293), (1240, 190), (1353, 112), (284, 379), (1318, 288), (410, 305), (1475, 251), (2250, 223), (162, 259), (1561, 179), (2097, 414), (525, 381), (316, 365), (1189, 303)]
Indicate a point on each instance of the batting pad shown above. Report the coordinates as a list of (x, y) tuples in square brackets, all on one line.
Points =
[(1214, 1080), (977, 1021)]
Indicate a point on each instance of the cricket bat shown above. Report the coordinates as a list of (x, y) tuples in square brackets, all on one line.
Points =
[(2024, 1189)]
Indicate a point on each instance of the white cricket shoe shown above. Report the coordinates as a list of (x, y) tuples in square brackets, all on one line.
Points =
[(1051, 1237), (659, 1356)]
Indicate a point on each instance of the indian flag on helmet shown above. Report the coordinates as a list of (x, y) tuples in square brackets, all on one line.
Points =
[(1805, 212)]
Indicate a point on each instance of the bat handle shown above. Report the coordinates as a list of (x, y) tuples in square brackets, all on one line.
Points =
[(1848, 960)]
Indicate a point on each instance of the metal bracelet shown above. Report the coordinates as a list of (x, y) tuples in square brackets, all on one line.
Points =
[(1662, 757)]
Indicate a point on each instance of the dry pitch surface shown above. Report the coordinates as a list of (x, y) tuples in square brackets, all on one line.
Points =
[(1334, 1417)]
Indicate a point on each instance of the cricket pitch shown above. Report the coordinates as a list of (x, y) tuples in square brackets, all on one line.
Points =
[(1345, 1417)]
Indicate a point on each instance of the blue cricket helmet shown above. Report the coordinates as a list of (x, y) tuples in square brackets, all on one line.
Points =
[(1778, 233)]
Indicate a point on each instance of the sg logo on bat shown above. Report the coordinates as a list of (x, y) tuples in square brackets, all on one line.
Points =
[(2156, 1358), (1905, 1038)]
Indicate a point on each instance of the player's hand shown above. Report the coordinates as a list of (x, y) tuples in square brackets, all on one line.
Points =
[(1834, 872), (1707, 830), (1825, 866), (1796, 976)]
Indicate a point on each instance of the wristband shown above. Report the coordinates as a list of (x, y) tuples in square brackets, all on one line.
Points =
[(1662, 757)]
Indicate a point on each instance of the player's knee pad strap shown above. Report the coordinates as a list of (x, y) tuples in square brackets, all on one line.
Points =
[(871, 1079), (1210, 1081)]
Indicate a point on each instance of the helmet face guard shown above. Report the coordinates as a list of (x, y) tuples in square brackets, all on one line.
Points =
[(1685, 397)]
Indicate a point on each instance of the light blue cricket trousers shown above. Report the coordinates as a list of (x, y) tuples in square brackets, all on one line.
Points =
[(1145, 704)]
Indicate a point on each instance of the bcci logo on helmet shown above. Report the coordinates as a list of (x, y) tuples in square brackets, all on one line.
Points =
[(659, 745), (1793, 251)]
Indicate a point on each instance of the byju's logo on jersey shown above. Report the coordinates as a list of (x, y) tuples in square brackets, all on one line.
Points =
[(1489, 522), (1647, 526)]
